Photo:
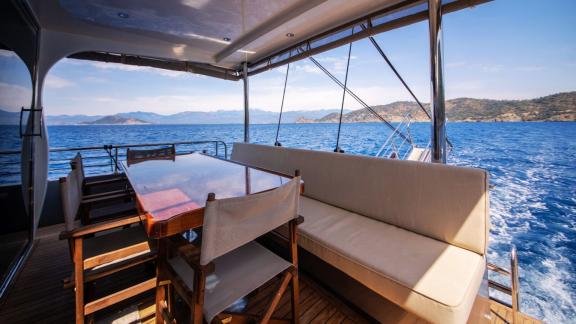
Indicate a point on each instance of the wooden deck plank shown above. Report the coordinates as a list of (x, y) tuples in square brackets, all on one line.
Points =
[(502, 314), (38, 294)]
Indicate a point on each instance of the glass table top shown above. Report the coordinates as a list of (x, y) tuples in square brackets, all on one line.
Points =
[(166, 188)]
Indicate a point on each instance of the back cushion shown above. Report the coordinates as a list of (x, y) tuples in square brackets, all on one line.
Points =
[(447, 203)]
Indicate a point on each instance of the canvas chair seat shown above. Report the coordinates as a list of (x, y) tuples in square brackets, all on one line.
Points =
[(236, 274)]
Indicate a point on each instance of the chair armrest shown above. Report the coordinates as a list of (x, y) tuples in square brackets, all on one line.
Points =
[(99, 227)]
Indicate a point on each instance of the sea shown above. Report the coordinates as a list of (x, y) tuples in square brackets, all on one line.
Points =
[(532, 169)]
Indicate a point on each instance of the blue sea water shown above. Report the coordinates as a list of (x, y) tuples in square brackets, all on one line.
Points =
[(532, 169)]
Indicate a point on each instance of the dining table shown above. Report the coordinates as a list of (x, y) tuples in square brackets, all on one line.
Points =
[(171, 193)]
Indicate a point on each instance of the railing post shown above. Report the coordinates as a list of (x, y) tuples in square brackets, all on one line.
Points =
[(246, 104), (438, 136), (515, 285), (116, 160)]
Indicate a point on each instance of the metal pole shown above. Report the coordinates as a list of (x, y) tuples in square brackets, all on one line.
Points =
[(438, 137), (515, 285), (246, 104)]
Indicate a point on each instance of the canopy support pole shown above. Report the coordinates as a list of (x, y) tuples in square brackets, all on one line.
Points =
[(438, 136), (246, 104), (276, 143)]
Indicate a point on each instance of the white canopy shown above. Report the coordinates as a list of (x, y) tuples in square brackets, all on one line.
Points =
[(218, 35)]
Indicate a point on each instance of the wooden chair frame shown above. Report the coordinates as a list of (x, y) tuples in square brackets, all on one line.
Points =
[(163, 153), (90, 200), (81, 278), (169, 282), (76, 240), (88, 185)]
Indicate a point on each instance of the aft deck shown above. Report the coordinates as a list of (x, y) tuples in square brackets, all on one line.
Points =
[(38, 295)]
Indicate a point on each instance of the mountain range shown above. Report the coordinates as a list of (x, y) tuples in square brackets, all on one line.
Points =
[(556, 107), (257, 116)]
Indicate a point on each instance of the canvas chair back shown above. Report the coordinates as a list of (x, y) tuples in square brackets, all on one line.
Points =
[(233, 222), (163, 153), (78, 164), (71, 197)]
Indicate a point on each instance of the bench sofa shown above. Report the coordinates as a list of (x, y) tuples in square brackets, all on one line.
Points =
[(415, 233)]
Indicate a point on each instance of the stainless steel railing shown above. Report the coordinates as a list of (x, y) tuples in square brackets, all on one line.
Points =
[(101, 159), (513, 290), (396, 146)]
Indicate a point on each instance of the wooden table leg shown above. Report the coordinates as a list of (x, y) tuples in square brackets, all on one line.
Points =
[(160, 285)]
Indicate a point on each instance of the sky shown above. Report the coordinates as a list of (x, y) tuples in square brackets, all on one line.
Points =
[(505, 49)]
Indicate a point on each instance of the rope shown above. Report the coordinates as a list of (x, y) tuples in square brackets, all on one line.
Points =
[(276, 143), (338, 149)]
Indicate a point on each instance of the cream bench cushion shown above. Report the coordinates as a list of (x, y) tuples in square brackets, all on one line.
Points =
[(432, 279), (444, 202)]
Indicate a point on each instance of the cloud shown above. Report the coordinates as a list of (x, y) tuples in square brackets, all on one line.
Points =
[(452, 65), (335, 64), (56, 82), (308, 68), (13, 97), (130, 68)]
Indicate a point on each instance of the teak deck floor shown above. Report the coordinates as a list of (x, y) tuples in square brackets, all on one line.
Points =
[(503, 315), (37, 295)]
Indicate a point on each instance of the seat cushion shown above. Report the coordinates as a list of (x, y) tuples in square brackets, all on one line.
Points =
[(444, 202), (427, 277)]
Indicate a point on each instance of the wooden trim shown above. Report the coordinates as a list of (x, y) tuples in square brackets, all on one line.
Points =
[(90, 199), (119, 296), (99, 227), (79, 280), (295, 291), (117, 267), (276, 299), (115, 255), (175, 224), (108, 193), (103, 181)]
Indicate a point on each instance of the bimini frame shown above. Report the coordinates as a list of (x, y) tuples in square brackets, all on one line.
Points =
[(404, 13)]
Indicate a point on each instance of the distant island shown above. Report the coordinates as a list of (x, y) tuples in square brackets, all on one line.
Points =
[(556, 107), (116, 120)]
